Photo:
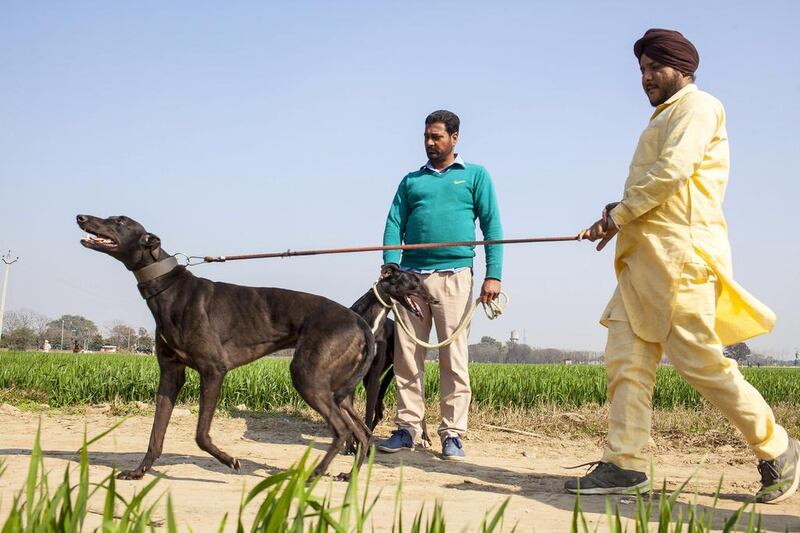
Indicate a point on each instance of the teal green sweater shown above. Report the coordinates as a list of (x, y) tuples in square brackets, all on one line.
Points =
[(431, 207)]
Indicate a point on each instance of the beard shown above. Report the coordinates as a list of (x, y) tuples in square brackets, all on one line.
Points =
[(666, 91), (436, 156)]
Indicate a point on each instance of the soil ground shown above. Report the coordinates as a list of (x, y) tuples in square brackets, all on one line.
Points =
[(527, 469)]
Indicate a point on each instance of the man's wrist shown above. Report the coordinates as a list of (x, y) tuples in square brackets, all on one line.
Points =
[(618, 214)]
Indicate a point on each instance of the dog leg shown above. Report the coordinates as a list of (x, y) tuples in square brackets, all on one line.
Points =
[(379, 405), (350, 447), (312, 383), (360, 432), (171, 380), (426, 439), (322, 402), (333, 416), (210, 386), (373, 384)]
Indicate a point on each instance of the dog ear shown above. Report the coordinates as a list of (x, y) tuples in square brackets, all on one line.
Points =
[(152, 242), (388, 269)]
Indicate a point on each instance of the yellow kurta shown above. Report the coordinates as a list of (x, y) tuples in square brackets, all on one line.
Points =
[(671, 211)]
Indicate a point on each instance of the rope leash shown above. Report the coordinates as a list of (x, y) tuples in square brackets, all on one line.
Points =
[(493, 310)]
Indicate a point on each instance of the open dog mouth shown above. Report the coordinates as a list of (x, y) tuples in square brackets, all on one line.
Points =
[(414, 306), (98, 241)]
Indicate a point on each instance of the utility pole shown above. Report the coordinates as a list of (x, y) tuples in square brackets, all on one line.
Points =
[(8, 261)]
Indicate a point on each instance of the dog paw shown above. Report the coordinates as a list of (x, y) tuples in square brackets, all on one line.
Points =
[(130, 474), (235, 464), (344, 476), (315, 474)]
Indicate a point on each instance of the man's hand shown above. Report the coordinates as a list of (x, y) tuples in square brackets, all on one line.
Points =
[(607, 210), (388, 269), (604, 229), (490, 290)]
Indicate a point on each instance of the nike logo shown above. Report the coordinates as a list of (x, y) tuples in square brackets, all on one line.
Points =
[(458, 182)]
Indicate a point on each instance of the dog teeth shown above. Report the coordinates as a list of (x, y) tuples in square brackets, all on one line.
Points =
[(98, 240), (414, 305)]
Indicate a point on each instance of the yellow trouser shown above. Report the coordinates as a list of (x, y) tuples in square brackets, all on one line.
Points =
[(696, 353)]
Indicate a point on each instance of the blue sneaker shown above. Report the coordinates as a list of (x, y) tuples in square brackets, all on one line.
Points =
[(453, 449), (400, 440)]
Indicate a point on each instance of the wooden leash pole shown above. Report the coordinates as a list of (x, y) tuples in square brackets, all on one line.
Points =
[(292, 253)]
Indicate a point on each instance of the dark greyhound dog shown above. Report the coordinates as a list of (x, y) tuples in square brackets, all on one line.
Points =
[(214, 327), (398, 285)]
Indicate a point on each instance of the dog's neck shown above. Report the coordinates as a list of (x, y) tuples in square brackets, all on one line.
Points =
[(155, 270), (158, 276), (154, 287), (371, 309)]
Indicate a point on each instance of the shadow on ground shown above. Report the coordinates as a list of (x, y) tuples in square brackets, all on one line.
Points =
[(543, 487)]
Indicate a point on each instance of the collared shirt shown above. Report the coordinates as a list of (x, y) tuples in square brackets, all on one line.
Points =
[(671, 213), (431, 271), (458, 161)]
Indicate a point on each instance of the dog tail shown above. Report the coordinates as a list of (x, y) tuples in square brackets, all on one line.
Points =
[(363, 366)]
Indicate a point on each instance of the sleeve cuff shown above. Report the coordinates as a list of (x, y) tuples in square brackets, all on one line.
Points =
[(621, 215), (494, 273)]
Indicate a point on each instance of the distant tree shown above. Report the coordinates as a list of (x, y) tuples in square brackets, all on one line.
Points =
[(121, 335), (738, 351), (519, 353), (95, 343), (488, 340), (20, 338), (757, 359), (74, 327), (26, 318), (144, 341), (484, 352)]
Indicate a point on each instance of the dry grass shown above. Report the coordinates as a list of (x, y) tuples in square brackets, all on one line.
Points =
[(702, 427), (679, 428)]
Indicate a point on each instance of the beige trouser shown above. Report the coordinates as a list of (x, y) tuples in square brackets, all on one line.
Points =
[(696, 353), (454, 293)]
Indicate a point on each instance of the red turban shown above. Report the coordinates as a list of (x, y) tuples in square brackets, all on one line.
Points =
[(669, 48)]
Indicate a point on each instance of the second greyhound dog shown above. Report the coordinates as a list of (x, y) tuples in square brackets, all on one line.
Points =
[(373, 306), (215, 327)]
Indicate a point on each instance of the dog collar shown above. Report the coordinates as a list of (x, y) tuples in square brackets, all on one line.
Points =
[(155, 270)]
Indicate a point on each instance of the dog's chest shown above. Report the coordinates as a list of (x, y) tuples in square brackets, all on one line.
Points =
[(176, 349)]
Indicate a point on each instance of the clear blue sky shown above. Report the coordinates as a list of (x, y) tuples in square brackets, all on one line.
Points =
[(230, 128)]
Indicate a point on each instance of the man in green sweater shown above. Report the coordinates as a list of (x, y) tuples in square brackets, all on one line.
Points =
[(440, 203)]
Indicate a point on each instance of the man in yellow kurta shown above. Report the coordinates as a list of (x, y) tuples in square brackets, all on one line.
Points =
[(676, 292)]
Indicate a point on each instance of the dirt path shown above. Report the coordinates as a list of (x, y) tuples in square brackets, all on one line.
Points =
[(500, 465)]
